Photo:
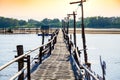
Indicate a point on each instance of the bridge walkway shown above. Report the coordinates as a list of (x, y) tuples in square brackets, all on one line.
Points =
[(57, 66)]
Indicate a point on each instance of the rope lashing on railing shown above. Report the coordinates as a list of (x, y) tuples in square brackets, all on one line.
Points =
[(83, 66), (74, 51)]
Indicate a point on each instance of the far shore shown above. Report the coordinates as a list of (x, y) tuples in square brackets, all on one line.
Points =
[(96, 31), (71, 30)]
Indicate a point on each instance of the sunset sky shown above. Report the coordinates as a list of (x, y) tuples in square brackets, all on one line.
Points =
[(40, 9)]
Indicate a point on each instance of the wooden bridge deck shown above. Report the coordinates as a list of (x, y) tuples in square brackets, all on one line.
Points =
[(57, 66)]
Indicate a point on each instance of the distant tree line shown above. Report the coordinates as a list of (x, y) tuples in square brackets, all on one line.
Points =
[(102, 22), (90, 22), (10, 22), (52, 23), (98, 22), (14, 23)]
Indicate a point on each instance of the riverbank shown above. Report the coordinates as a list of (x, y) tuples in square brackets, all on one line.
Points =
[(97, 31), (71, 30), (25, 31)]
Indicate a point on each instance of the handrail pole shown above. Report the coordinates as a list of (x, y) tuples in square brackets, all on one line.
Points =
[(20, 61), (12, 61), (88, 71), (18, 73)]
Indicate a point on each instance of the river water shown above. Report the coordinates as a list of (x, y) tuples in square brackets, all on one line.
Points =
[(8, 45), (104, 45), (108, 47)]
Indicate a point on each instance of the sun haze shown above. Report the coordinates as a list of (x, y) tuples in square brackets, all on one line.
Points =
[(39, 9)]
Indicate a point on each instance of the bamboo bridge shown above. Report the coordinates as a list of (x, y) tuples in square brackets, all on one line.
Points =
[(63, 61), (58, 59)]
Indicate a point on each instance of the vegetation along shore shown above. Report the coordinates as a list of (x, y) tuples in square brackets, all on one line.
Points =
[(93, 25)]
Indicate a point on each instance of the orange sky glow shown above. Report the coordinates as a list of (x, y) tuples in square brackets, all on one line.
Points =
[(40, 9)]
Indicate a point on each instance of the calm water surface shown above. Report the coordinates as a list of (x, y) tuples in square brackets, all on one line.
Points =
[(106, 45), (8, 50)]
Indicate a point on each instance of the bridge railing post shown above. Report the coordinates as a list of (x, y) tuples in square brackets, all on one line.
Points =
[(28, 68), (40, 54), (53, 44), (68, 40), (70, 43), (21, 61), (63, 34), (55, 40), (50, 47), (75, 56), (51, 35), (87, 74), (70, 47)]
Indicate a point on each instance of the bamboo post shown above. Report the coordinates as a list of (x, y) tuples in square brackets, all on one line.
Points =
[(55, 40), (70, 43), (21, 61), (68, 25), (74, 33), (52, 36), (36, 30), (53, 43), (74, 28), (40, 54), (83, 34), (89, 67), (70, 47), (28, 68), (50, 47), (68, 40), (43, 38), (75, 56)]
